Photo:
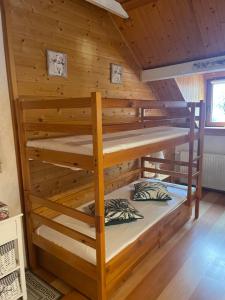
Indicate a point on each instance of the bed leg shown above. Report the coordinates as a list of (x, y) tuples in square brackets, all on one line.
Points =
[(99, 194)]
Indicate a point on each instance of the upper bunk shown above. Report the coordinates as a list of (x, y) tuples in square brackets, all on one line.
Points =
[(74, 142)]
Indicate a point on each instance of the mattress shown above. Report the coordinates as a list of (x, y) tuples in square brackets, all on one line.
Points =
[(120, 236), (112, 142)]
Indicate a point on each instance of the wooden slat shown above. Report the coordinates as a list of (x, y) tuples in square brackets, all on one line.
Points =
[(114, 158), (126, 103), (61, 158), (110, 128), (80, 237), (69, 258), (169, 118), (55, 103), (166, 161), (73, 213), (196, 174), (166, 172), (59, 127), (197, 158)]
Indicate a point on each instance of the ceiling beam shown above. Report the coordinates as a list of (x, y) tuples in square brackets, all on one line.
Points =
[(213, 64), (133, 4), (112, 6)]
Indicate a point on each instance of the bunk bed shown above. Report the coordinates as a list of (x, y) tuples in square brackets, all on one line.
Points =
[(76, 246)]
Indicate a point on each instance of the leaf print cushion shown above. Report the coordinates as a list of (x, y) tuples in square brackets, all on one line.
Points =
[(147, 191), (118, 211)]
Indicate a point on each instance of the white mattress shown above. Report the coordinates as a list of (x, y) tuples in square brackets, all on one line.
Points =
[(117, 236), (112, 142)]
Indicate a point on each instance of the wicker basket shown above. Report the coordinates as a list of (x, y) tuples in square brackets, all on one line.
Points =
[(10, 286), (7, 257)]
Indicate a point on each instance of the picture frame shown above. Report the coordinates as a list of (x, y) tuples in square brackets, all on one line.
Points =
[(56, 63), (116, 74)]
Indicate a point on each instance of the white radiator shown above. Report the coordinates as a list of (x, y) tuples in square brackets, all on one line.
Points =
[(213, 169)]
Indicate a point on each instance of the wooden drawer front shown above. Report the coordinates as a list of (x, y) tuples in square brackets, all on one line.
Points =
[(8, 231), (176, 219)]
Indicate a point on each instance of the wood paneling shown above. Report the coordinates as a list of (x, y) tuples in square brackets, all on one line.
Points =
[(89, 38), (192, 88), (91, 41), (166, 89), (168, 32)]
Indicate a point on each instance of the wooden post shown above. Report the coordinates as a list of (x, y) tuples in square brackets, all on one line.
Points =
[(202, 116), (191, 153), (26, 186), (99, 194)]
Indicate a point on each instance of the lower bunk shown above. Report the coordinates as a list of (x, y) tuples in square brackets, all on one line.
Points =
[(126, 244)]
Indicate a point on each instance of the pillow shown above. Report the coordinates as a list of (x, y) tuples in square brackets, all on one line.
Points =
[(118, 211), (155, 191)]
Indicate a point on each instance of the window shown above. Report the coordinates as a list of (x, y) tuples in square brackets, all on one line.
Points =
[(216, 102)]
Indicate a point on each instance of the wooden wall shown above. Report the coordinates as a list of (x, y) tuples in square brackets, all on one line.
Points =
[(166, 32), (166, 90), (89, 38), (192, 87)]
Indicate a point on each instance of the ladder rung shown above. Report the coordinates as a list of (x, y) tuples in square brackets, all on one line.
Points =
[(196, 174), (197, 158)]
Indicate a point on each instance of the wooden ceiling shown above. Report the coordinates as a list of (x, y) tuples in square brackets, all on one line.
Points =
[(165, 32)]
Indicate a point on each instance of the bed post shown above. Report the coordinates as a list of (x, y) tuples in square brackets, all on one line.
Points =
[(200, 156), (99, 193), (191, 153), (26, 186)]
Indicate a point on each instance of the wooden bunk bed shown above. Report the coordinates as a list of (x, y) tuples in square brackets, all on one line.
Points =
[(122, 142)]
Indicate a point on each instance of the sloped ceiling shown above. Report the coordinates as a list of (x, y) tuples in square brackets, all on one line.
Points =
[(165, 32)]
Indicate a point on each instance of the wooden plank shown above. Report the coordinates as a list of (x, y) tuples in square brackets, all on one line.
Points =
[(166, 161), (71, 259), (59, 127), (54, 103), (73, 213), (136, 152), (61, 158), (166, 172), (99, 193), (76, 235), (138, 125), (123, 103)]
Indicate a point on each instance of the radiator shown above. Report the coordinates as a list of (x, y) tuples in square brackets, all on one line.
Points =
[(213, 169)]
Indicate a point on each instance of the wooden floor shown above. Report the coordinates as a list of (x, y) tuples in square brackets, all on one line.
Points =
[(190, 266)]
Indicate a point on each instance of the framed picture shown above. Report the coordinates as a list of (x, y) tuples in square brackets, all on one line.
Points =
[(57, 63), (116, 73)]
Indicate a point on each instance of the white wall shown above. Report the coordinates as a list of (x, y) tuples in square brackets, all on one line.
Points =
[(212, 144), (9, 187)]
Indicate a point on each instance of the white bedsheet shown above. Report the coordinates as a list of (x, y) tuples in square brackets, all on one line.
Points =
[(117, 236), (112, 142)]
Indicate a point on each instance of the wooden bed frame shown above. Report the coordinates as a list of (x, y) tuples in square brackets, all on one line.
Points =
[(99, 281)]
